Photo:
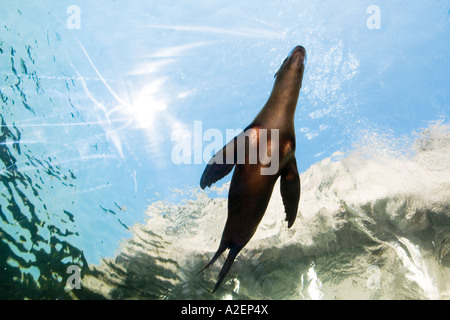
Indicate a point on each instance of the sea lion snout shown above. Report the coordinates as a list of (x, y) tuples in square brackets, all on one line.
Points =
[(295, 61), (298, 55), (299, 49)]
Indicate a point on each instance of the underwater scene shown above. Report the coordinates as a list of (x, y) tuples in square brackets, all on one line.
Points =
[(112, 110)]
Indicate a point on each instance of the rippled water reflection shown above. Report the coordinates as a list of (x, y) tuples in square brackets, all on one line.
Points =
[(85, 141)]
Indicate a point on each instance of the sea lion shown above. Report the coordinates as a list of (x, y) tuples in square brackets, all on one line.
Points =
[(251, 188)]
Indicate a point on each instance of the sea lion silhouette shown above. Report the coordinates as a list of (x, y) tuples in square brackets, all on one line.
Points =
[(253, 178)]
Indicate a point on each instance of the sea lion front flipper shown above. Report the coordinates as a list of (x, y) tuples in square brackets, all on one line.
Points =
[(221, 163), (218, 167), (290, 190)]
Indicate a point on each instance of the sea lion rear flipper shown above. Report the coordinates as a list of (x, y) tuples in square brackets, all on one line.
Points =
[(290, 190), (234, 250), (218, 253), (226, 266)]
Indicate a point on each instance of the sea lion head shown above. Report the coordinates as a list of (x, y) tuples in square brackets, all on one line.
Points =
[(293, 66)]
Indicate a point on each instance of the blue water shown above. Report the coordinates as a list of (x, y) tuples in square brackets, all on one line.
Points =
[(92, 94)]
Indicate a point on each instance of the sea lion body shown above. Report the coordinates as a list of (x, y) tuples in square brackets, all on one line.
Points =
[(251, 188)]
